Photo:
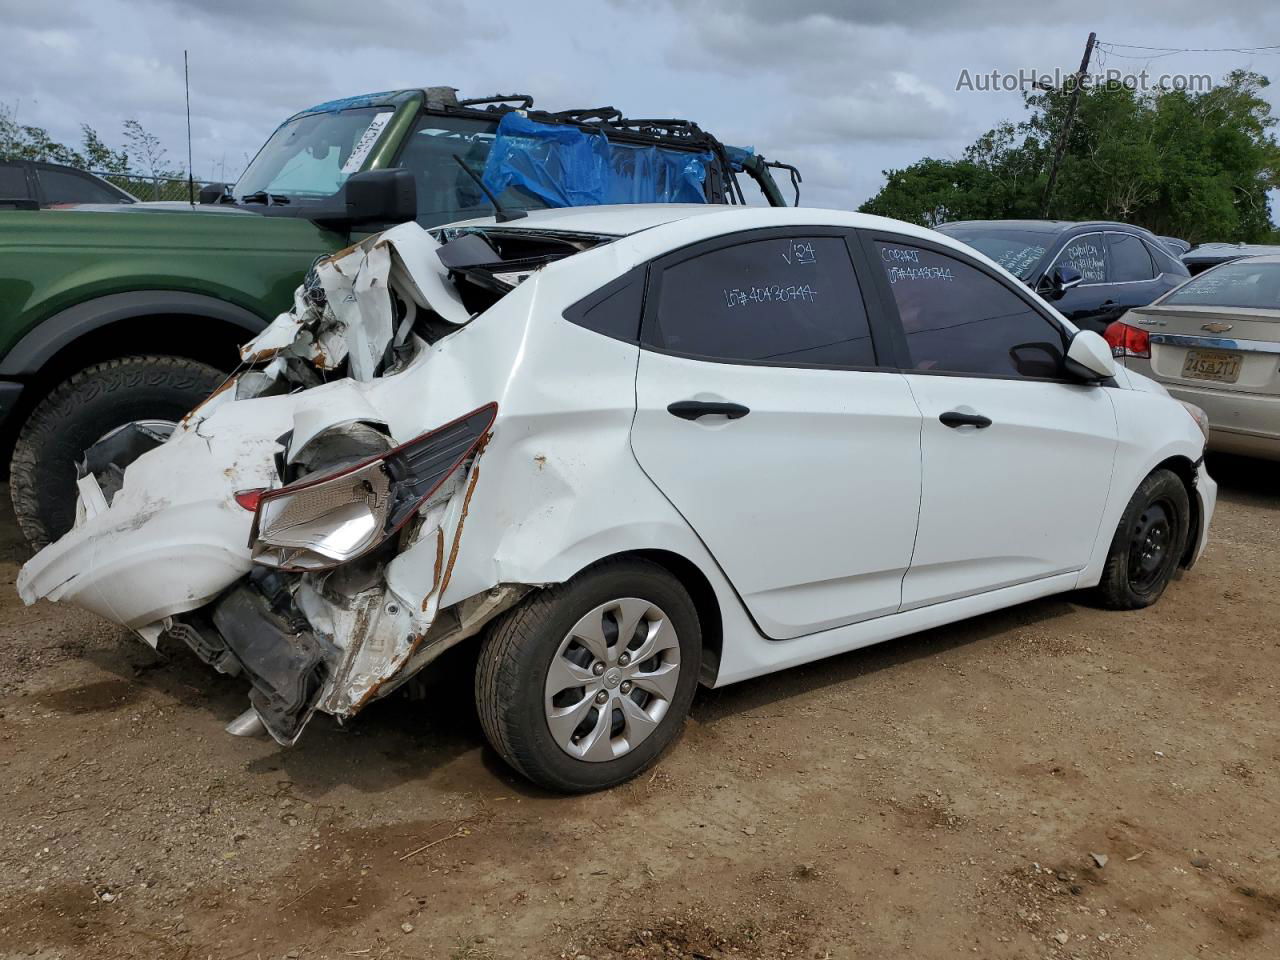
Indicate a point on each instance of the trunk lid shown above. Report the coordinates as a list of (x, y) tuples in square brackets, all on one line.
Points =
[(1234, 349)]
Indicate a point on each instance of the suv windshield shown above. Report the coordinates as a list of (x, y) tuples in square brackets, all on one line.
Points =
[(309, 157), (1018, 251)]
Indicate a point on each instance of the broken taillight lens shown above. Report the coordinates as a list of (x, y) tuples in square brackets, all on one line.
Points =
[(329, 519), (1128, 341), (249, 499)]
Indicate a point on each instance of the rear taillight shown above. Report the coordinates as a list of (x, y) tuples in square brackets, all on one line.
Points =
[(1127, 341), (327, 519)]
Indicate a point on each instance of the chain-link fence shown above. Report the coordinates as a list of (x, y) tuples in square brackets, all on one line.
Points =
[(153, 188)]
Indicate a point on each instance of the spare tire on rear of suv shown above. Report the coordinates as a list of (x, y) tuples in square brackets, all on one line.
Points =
[(79, 413)]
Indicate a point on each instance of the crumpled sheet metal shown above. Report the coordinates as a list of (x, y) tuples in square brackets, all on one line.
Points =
[(356, 320)]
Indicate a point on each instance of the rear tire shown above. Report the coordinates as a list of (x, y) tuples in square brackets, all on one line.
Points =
[(613, 715), (1148, 543), (77, 414)]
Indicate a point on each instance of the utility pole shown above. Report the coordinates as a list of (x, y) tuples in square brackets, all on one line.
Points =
[(1066, 123)]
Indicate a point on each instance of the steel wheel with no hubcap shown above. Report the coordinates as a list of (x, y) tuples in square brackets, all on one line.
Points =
[(612, 679), (1149, 546)]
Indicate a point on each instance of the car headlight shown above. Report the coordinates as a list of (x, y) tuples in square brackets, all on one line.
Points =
[(328, 519), (1199, 416)]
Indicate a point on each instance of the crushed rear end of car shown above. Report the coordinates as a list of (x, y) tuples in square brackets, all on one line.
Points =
[(301, 526)]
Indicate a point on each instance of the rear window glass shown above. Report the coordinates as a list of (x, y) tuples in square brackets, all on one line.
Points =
[(788, 300), (1018, 251), (1238, 284)]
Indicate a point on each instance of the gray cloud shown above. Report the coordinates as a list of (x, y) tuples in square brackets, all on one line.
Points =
[(845, 90)]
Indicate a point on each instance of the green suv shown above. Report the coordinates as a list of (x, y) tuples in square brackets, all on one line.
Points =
[(133, 313)]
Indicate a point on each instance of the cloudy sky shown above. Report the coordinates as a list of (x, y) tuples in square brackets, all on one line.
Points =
[(842, 88)]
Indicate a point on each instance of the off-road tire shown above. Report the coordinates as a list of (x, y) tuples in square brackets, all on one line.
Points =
[(517, 652), (1118, 589), (78, 413)]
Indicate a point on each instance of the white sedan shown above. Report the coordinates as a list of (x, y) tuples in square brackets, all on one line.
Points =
[(629, 450)]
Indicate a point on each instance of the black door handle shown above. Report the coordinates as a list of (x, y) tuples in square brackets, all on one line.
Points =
[(693, 409), (954, 418)]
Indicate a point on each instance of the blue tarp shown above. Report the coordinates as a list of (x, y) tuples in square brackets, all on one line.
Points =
[(568, 167)]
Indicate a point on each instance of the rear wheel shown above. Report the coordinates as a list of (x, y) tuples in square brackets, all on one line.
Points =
[(77, 414), (585, 684), (1148, 543)]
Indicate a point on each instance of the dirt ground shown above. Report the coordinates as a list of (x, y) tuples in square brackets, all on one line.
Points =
[(1049, 781)]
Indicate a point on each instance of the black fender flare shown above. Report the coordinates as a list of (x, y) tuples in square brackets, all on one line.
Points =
[(43, 341)]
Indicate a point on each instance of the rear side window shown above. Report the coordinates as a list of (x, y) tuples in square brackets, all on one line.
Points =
[(1130, 261), (958, 319), (786, 300), (13, 182), (1088, 254), (61, 186), (614, 309)]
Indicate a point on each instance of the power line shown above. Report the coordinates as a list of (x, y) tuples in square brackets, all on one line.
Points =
[(1165, 51)]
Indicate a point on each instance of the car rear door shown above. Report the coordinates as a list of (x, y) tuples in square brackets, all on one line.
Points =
[(1016, 459), (764, 415)]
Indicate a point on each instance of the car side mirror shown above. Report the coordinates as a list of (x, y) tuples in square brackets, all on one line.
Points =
[(1062, 279), (1089, 357), (383, 197), (214, 192)]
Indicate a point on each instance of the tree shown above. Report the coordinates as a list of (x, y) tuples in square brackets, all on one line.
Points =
[(1194, 165), (150, 154)]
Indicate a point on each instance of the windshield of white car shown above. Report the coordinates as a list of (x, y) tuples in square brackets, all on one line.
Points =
[(1242, 283), (1018, 251)]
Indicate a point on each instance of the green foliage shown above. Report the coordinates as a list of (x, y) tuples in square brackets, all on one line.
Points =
[(1192, 165), (142, 148)]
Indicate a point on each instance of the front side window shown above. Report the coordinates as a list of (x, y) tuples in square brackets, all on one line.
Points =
[(788, 300), (1087, 254), (958, 319), (445, 191), (1130, 261)]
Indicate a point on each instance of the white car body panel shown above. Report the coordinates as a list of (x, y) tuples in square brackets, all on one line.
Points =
[(847, 437), (806, 545), (986, 520)]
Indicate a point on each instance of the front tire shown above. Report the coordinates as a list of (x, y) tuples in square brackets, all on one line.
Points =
[(1148, 543), (79, 413), (585, 684)]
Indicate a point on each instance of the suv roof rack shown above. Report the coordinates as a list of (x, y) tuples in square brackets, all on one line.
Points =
[(525, 101)]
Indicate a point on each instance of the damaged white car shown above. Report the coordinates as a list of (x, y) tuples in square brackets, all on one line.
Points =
[(629, 449)]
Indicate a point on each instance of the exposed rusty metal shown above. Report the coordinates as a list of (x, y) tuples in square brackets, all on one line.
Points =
[(435, 577), (462, 518)]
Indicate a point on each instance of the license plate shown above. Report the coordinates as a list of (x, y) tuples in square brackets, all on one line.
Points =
[(1212, 365)]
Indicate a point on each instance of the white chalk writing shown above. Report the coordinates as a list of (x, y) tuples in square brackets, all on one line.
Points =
[(773, 293), (800, 252)]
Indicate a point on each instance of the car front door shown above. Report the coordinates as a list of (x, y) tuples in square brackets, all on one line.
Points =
[(1016, 459), (765, 416)]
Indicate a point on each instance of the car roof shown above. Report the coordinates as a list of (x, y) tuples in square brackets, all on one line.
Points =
[(607, 220), (1050, 226)]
